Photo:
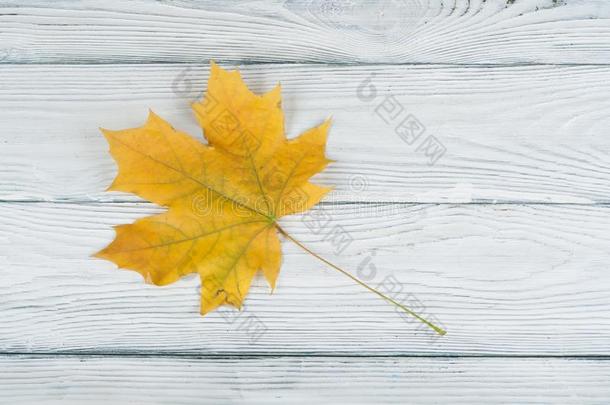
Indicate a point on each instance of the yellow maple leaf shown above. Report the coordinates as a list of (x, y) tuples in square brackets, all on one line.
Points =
[(223, 198)]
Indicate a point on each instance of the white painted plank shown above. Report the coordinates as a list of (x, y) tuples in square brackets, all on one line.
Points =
[(302, 380), (503, 279), (535, 134), (397, 31)]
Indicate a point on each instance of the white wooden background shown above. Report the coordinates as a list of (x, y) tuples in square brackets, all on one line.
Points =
[(505, 241)]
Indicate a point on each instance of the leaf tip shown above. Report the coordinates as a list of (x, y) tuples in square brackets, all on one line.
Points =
[(152, 116), (214, 68), (101, 254), (106, 133), (205, 309)]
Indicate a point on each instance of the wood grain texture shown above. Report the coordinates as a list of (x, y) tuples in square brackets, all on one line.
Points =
[(503, 280), (518, 93), (396, 31), (512, 134), (302, 380)]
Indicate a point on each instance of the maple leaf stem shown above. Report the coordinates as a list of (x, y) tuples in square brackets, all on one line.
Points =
[(437, 329)]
